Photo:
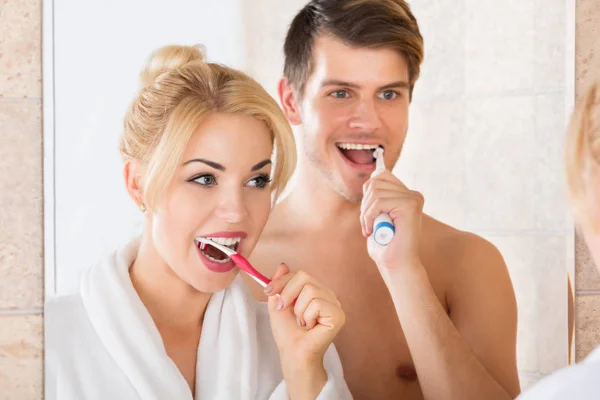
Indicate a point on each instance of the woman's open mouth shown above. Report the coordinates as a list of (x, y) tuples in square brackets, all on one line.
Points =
[(214, 259), (216, 255)]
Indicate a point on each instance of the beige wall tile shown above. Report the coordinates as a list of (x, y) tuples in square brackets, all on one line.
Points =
[(264, 43), (537, 269), (21, 229), (587, 45), (528, 379), (549, 195), (443, 70), (519, 257), (552, 305), (500, 163), (586, 274), (20, 48), (434, 150), (587, 324), (549, 44), (496, 36), (21, 357)]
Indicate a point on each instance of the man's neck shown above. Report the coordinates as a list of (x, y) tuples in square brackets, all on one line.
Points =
[(314, 204)]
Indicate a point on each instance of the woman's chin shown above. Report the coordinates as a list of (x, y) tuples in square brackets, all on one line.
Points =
[(213, 284)]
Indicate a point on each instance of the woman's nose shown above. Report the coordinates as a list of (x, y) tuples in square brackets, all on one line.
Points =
[(232, 207)]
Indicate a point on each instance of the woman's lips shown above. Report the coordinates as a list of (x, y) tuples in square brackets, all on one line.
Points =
[(215, 266)]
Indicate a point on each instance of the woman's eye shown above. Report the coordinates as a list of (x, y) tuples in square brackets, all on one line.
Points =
[(205, 180), (259, 181)]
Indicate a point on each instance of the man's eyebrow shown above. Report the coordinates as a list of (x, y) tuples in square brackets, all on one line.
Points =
[(392, 85)]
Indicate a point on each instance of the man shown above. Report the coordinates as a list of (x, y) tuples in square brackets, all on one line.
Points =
[(431, 315)]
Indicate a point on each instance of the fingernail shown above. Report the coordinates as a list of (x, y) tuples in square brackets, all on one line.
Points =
[(268, 289), (279, 305), (298, 321)]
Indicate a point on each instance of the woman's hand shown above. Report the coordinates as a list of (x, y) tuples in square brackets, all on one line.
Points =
[(305, 318)]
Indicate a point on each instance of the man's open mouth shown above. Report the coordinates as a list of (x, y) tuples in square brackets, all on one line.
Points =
[(361, 154)]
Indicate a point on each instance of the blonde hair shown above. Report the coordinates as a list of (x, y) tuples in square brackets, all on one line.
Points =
[(582, 157), (179, 89)]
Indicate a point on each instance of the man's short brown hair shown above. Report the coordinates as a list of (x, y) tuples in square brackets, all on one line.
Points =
[(358, 23)]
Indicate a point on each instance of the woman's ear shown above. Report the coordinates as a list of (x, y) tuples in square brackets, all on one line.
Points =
[(132, 175)]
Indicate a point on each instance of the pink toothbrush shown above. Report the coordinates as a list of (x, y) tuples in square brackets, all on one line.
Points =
[(238, 259)]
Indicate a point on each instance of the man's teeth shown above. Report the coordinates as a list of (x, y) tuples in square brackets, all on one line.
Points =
[(354, 146)]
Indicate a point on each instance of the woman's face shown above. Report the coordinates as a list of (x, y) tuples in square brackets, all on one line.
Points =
[(220, 190)]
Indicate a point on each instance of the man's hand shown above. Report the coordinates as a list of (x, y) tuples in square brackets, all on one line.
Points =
[(385, 193)]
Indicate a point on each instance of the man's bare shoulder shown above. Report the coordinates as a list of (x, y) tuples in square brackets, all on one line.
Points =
[(460, 249), (466, 263)]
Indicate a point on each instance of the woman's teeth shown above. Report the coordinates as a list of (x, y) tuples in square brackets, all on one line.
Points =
[(229, 242), (223, 261), (232, 243)]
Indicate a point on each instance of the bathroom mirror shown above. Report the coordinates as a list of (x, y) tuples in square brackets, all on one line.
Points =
[(484, 145)]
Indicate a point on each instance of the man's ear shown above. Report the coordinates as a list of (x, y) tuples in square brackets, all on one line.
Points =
[(289, 102), (132, 175)]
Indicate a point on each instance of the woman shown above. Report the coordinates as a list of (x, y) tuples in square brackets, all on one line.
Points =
[(581, 381), (162, 319)]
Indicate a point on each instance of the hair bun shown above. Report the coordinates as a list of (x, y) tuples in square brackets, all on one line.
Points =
[(169, 58)]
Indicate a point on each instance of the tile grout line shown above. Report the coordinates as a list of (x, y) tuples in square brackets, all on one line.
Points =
[(20, 100), (587, 292), (31, 311), (525, 232)]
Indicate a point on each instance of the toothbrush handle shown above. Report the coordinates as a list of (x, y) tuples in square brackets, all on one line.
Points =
[(383, 229), (245, 265)]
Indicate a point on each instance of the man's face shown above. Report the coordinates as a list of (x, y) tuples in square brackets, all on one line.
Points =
[(355, 100)]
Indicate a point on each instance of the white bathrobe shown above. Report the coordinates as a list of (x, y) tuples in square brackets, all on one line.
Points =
[(102, 344), (577, 382)]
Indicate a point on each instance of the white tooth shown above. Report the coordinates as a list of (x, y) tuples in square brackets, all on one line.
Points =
[(237, 240), (361, 146), (214, 259)]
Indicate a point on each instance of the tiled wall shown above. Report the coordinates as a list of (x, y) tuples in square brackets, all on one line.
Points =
[(21, 229), (587, 279), (482, 117), (485, 149)]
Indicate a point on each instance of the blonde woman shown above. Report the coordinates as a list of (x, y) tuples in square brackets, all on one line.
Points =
[(160, 318), (581, 381)]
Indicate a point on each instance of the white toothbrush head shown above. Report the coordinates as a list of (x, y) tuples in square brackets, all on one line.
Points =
[(378, 153), (205, 241), (379, 162)]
